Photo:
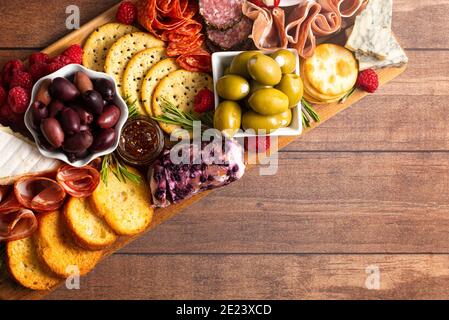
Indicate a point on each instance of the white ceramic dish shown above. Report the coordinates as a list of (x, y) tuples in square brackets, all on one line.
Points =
[(222, 60), (66, 72)]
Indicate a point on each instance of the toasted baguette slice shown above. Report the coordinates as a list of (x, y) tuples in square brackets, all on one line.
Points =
[(87, 229), (58, 251), (26, 268), (126, 207)]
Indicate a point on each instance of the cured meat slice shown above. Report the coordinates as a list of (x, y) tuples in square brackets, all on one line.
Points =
[(198, 60), (16, 224), (78, 182), (39, 194), (232, 37), (221, 14)]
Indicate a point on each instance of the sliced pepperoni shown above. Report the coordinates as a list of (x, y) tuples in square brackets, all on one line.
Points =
[(180, 48), (17, 224), (198, 60), (78, 182), (39, 194)]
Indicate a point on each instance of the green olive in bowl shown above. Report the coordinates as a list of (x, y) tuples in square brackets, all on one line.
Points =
[(239, 64), (232, 87), (264, 70), (228, 117), (286, 60), (254, 86), (291, 85), (268, 101), (256, 121)]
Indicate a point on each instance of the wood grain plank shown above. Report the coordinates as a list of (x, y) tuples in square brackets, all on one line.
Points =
[(6, 55), (319, 203), (264, 277), (50, 22)]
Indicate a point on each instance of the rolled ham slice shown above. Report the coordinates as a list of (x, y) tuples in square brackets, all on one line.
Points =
[(17, 224), (78, 182), (39, 194)]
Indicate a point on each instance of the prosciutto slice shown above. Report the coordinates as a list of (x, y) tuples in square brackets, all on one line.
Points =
[(78, 182), (39, 194), (304, 23)]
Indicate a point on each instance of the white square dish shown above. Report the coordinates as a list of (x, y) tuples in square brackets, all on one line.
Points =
[(222, 60)]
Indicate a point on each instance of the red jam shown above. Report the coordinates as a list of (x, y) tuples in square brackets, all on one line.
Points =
[(141, 141)]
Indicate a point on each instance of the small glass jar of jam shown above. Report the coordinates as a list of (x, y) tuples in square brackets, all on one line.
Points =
[(141, 141)]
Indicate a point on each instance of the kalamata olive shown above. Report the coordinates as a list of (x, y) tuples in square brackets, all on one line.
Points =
[(70, 121), (84, 127), (55, 107), (76, 156), (62, 89), (83, 82), (79, 142), (43, 94), (106, 88), (85, 116), (39, 112), (109, 118), (52, 131), (93, 101), (103, 140)]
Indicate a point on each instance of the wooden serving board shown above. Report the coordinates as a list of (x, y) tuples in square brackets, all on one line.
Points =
[(9, 290)]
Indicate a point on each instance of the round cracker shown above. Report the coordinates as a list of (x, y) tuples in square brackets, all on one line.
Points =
[(152, 79), (100, 41), (124, 49), (315, 93), (179, 88), (135, 72), (332, 70)]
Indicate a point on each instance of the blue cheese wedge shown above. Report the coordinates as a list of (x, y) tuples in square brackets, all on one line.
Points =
[(20, 157), (372, 40)]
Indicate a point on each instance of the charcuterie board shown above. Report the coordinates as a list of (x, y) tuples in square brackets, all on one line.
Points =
[(10, 290)]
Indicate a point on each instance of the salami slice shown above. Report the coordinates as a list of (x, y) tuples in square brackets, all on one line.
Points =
[(221, 14), (39, 194), (78, 182), (198, 60), (232, 37), (175, 49)]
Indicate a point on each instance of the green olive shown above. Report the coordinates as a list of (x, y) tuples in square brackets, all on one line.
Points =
[(291, 85), (228, 117), (255, 121), (232, 87), (240, 62), (254, 86), (286, 60), (264, 70), (268, 101)]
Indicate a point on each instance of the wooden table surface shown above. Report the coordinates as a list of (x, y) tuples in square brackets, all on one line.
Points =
[(367, 190)]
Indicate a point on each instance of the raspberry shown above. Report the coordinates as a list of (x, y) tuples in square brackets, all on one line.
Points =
[(57, 63), (9, 68), (38, 70), (18, 99), (2, 96), (261, 144), (21, 79), (74, 53), (368, 81), (126, 13), (38, 58), (204, 101)]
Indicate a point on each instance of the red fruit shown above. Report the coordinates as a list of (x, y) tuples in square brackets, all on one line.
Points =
[(21, 79), (19, 99), (2, 96), (126, 13), (38, 58), (6, 115), (368, 80), (38, 70), (204, 101), (9, 68), (261, 144), (74, 53), (264, 3), (57, 63)]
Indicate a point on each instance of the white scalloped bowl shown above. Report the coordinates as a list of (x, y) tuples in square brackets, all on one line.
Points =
[(67, 72)]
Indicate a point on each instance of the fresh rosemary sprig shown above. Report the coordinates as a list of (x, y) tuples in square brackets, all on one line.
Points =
[(346, 97), (112, 163), (308, 114), (132, 107), (175, 116)]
